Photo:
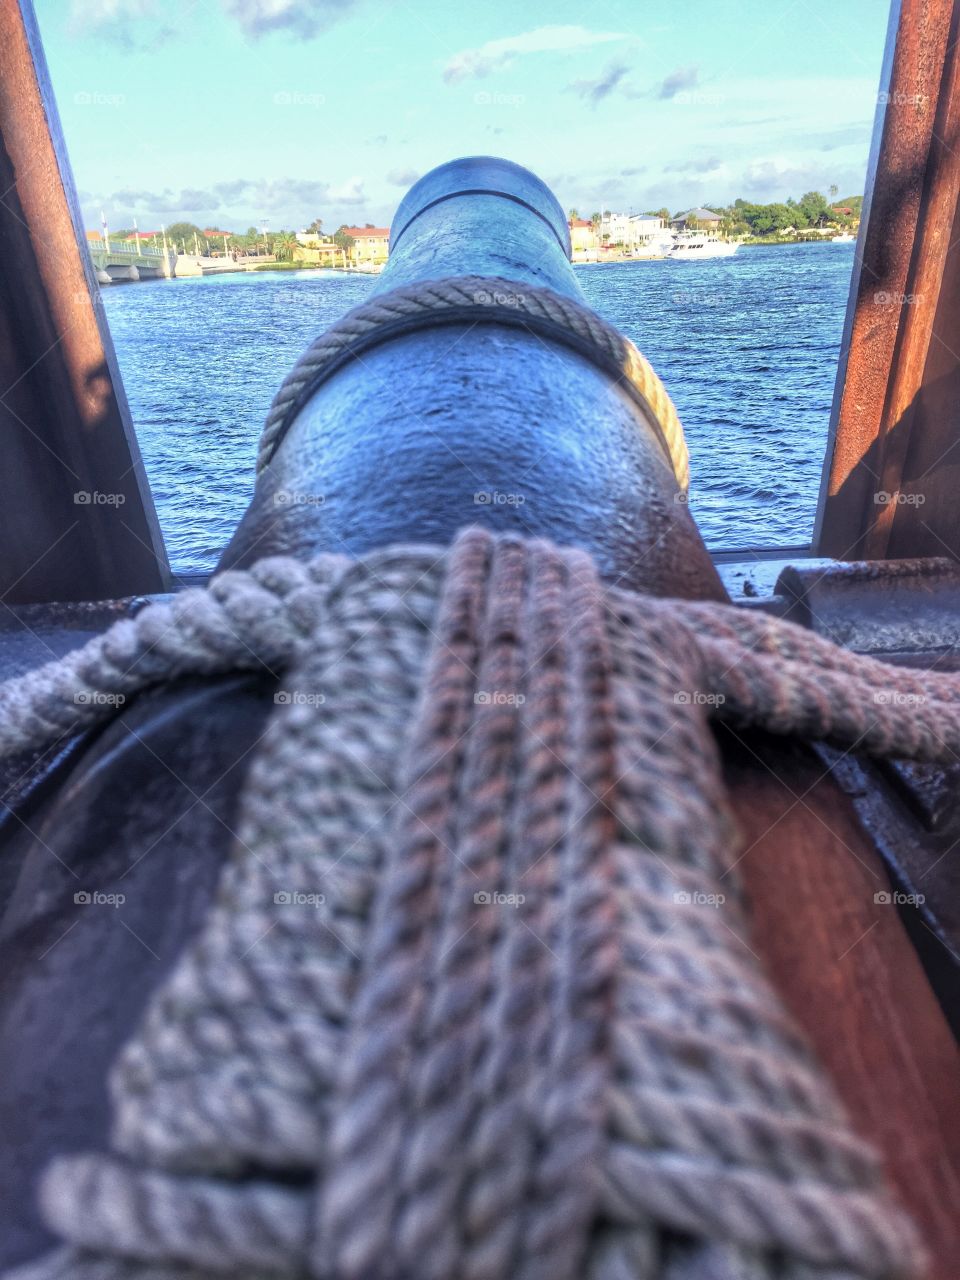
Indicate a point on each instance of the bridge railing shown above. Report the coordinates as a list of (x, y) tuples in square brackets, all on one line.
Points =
[(122, 246)]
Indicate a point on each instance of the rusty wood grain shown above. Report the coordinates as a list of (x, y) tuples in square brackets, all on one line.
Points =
[(902, 253), (65, 421), (846, 969)]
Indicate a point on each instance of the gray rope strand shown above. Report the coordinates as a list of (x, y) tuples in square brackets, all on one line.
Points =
[(243, 620)]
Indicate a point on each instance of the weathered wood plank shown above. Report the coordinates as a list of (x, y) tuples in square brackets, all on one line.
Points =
[(845, 967), (909, 213), (65, 423)]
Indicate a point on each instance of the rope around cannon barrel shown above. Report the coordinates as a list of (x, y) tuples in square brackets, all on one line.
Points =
[(479, 299), (469, 1004)]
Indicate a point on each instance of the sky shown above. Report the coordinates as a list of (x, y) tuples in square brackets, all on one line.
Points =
[(231, 112)]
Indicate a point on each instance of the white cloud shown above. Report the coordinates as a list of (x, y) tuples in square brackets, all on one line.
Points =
[(349, 192), (302, 17), (676, 81), (402, 177), (98, 13), (596, 90), (497, 54)]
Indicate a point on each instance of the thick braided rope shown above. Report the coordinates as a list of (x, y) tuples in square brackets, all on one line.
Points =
[(479, 299), (597, 1081)]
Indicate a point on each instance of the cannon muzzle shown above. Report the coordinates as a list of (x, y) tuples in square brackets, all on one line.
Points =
[(439, 414)]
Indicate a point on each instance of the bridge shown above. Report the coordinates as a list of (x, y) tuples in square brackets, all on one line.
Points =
[(117, 260)]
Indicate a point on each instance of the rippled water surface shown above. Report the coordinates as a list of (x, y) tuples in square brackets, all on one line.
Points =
[(747, 347)]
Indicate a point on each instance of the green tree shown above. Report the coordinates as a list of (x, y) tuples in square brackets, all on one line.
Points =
[(183, 233), (768, 219), (815, 208), (573, 215), (283, 245)]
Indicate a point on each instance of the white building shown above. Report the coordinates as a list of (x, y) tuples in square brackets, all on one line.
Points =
[(633, 232)]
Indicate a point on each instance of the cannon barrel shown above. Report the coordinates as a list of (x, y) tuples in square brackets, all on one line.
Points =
[(489, 422), (398, 443)]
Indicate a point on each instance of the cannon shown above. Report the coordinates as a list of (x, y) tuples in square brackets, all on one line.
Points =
[(479, 415), (379, 718)]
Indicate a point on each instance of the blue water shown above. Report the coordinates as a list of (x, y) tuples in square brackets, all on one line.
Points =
[(747, 347)]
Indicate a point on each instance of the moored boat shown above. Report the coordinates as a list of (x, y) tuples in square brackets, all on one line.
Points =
[(696, 246)]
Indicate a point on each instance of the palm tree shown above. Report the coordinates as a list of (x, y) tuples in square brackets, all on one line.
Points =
[(284, 244)]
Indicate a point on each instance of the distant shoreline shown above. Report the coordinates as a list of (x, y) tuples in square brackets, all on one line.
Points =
[(785, 240), (620, 260)]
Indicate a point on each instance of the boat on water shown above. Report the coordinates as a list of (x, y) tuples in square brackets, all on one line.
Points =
[(695, 246), (846, 238)]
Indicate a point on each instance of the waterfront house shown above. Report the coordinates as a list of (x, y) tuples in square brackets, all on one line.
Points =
[(630, 233), (583, 236), (700, 219), (319, 250), (370, 245)]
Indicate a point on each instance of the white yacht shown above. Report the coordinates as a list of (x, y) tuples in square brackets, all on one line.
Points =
[(846, 238), (696, 246)]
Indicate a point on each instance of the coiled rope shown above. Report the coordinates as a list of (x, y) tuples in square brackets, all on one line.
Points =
[(470, 1003), (479, 299)]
